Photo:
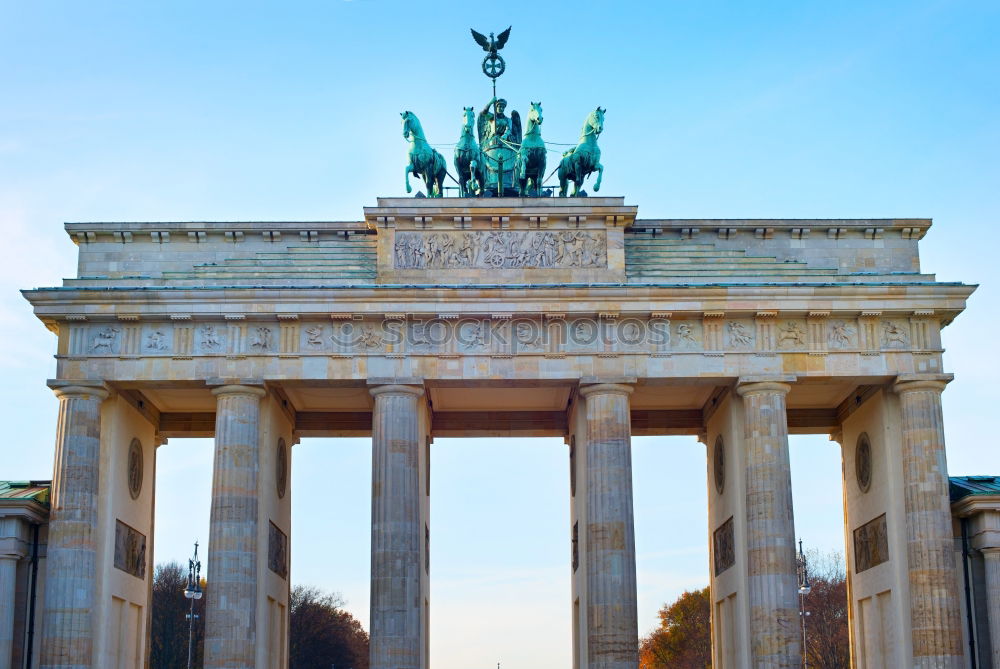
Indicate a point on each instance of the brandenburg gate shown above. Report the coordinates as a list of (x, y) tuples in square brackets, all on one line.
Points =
[(469, 317)]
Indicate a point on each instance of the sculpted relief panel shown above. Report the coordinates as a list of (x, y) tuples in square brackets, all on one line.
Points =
[(502, 249), (481, 335)]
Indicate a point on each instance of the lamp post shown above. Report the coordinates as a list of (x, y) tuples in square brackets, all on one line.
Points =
[(193, 592), (802, 571)]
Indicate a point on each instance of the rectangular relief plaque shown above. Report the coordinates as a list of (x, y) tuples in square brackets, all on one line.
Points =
[(871, 544), (723, 547), (501, 249), (277, 551), (130, 550)]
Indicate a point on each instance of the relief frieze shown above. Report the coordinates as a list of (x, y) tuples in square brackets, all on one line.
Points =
[(723, 547), (740, 334), (894, 335), (277, 550), (211, 337), (130, 550), (842, 335), (501, 249), (497, 335), (105, 340), (791, 335), (871, 544)]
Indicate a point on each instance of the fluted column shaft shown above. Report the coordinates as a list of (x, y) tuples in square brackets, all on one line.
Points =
[(610, 539), (934, 609), (774, 630), (71, 567), (396, 564), (8, 582), (991, 560), (231, 598)]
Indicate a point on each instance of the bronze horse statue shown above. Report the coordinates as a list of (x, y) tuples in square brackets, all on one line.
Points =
[(530, 165), (585, 158), (468, 159), (425, 162)]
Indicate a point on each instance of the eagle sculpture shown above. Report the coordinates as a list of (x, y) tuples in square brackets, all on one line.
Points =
[(491, 45)]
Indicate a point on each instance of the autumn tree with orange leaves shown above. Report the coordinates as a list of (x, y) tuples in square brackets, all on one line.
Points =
[(683, 639)]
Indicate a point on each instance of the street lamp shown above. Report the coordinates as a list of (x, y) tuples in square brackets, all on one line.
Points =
[(193, 592), (802, 571)]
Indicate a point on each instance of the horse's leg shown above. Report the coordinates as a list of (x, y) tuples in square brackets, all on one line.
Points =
[(461, 182), (562, 179), (577, 179), (600, 175), (409, 168)]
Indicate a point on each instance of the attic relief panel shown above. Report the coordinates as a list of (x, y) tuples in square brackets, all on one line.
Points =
[(502, 249)]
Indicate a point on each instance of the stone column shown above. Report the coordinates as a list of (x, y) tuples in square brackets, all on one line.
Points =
[(934, 608), (396, 565), (8, 583), (771, 579), (231, 597), (71, 567), (991, 559), (610, 537)]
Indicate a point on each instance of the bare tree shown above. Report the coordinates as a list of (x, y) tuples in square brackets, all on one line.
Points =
[(169, 640), (827, 639), (322, 634)]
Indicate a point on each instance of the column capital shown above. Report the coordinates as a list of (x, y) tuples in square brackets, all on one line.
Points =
[(79, 388), (605, 389), (746, 385), (396, 389), (12, 548), (913, 382), (239, 389)]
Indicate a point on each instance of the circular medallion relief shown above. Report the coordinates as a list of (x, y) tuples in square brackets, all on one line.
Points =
[(134, 468), (863, 462), (281, 468), (719, 464)]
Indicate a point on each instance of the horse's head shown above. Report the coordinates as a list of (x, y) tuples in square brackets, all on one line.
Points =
[(406, 124), (595, 122), (469, 116), (410, 124), (535, 113)]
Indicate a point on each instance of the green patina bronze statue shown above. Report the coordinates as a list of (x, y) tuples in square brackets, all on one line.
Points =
[(530, 166), (425, 162), (503, 162), (585, 158), (499, 141), (493, 65), (468, 160)]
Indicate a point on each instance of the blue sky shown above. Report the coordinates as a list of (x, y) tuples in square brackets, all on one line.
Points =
[(261, 111)]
